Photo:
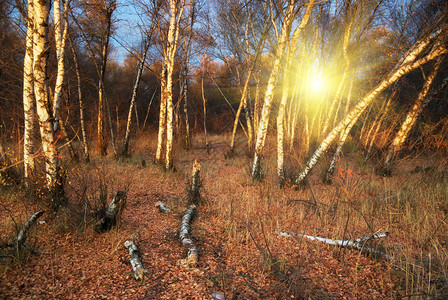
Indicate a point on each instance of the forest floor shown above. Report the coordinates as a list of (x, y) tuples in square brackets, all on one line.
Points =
[(240, 256)]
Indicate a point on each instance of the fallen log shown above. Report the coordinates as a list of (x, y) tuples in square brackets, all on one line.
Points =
[(358, 243), (162, 208), (194, 195), (185, 238), (113, 213), (138, 271), (21, 237)]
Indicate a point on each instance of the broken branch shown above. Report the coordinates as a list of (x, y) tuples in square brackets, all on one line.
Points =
[(138, 271), (358, 243)]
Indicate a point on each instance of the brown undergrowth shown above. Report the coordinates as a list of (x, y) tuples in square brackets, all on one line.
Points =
[(239, 253)]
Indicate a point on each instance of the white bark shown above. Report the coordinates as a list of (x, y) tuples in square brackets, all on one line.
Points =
[(194, 195), (162, 208), (21, 236), (28, 96), (113, 212), (185, 238), (60, 32), (40, 53), (264, 120), (358, 243), (81, 104), (281, 111), (162, 116), (173, 38), (138, 271)]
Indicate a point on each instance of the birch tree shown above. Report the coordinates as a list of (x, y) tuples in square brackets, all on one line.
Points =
[(134, 95), (40, 54), (81, 103), (166, 105), (28, 95), (60, 34), (268, 97), (411, 117), (281, 110)]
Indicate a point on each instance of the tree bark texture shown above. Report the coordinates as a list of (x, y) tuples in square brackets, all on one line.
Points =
[(113, 213), (264, 120), (81, 103), (60, 33), (194, 195), (40, 54), (359, 243), (138, 271), (28, 96), (185, 238), (21, 236)]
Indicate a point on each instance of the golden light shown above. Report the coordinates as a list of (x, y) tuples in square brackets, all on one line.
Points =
[(317, 85)]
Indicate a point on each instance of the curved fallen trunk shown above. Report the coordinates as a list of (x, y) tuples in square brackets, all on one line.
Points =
[(185, 238), (138, 271), (358, 244)]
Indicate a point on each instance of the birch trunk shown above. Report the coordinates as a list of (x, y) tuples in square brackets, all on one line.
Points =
[(264, 121), (162, 116), (40, 54), (138, 271), (411, 118), (173, 37), (134, 95), (28, 97), (60, 32), (81, 103), (238, 112), (281, 111), (359, 108)]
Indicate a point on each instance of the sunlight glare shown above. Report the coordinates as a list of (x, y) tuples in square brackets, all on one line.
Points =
[(317, 85)]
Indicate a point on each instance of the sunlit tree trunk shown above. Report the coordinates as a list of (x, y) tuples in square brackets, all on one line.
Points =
[(404, 67), (28, 96), (40, 54), (264, 120), (60, 33), (257, 101), (238, 112), (411, 118), (81, 103), (281, 111), (169, 55), (134, 95), (162, 116)]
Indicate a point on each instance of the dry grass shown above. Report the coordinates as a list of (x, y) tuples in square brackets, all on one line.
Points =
[(238, 252)]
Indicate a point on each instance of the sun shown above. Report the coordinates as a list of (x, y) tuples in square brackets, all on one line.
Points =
[(317, 85)]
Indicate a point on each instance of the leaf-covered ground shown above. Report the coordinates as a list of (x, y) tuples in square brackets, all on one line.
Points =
[(239, 255)]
